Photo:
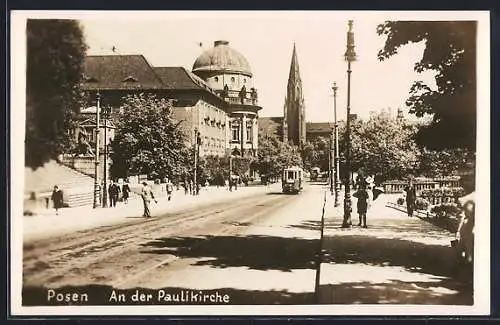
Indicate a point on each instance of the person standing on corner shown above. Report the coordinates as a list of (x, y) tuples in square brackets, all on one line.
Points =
[(147, 195), (362, 205), (411, 197), (57, 198)]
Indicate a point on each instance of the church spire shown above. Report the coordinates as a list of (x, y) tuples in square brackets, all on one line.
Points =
[(294, 114), (294, 76)]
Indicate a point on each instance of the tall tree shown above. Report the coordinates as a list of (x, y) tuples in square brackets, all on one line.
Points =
[(450, 51), (55, 53), (274, 155), (148, 141), (382, 146), (315, 153)]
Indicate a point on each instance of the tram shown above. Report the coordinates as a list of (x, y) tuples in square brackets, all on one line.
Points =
[(292, 180)]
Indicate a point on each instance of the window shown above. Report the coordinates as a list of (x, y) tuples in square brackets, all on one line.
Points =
[(249, 132), (232, 79), (216, 79), (245, 80), (235, 131)]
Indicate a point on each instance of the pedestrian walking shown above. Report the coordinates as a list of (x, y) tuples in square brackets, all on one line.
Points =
[(113, 191), (147, 195), (57, 199), (411, 197), (170, 189), (125, 191), (363, 197), (191, 188)]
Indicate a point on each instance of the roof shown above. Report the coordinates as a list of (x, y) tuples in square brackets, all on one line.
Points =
[(119, 72), (176, 78), (319, 127), (270, 124), (222, 58)]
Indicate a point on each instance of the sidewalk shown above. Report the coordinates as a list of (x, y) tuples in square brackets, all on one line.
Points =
[(396, 260), (46, 223)]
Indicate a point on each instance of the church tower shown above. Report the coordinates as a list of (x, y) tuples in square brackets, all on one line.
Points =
[(294, 110)]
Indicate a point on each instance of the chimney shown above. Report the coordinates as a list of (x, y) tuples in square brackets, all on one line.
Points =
[(217, 43)]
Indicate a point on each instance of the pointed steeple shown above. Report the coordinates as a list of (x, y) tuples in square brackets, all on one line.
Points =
[(294, 103), (294, 76)]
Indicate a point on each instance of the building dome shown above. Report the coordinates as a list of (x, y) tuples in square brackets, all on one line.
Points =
[(222, 58)]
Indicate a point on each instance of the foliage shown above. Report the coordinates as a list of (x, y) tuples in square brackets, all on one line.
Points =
[(381, 146), (274, 155), (450, 52), (401, 200), (421, 204), (148, 140), (446, 162), (315, 153), (216, 169), (55, 53), (446, 209), (453, 192)]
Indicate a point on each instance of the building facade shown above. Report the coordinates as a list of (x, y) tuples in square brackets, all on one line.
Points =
[(228, 73), (217, 98)]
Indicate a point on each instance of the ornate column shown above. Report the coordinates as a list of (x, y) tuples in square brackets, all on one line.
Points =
[(242, 130)]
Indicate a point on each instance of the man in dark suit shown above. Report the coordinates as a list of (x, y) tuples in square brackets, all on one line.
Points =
[(411, 197), (114, 191)]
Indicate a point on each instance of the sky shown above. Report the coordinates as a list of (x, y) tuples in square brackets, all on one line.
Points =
[(266, 39)]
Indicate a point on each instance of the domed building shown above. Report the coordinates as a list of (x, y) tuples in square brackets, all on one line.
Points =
[(216, 101), (228, 73)]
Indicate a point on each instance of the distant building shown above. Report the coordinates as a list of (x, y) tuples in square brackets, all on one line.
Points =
[(319, 129)]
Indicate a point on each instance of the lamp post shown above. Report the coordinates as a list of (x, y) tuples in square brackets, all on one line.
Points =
[(336, 179), (96, 169), (330, 162), (196, 154), (105, 113), (350, 56)]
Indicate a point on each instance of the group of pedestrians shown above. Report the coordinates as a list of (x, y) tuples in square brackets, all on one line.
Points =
[(367, 192), (114, 191)]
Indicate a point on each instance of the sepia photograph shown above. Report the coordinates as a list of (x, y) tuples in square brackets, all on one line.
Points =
[(250, 163)]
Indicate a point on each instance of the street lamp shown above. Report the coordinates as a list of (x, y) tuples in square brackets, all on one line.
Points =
[(350, 56), (105, 113), (197, 141), (336, 179), (96, 169)]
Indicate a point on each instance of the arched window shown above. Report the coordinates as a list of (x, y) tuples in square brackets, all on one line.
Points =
[(216, 79), (232, 79)]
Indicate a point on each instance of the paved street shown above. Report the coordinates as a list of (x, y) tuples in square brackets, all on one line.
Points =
[(397, 260), (257, 249)]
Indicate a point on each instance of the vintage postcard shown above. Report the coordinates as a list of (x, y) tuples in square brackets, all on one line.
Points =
[(250, 163)]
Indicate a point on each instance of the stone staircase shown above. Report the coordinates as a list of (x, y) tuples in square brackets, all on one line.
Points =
[(77, 187)]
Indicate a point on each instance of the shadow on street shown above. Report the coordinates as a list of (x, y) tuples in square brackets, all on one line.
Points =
[(255, 252)]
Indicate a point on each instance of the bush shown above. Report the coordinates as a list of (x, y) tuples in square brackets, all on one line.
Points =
[(446, 210), (421, 204), (401, 201), (444, 191)]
